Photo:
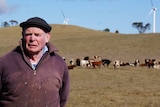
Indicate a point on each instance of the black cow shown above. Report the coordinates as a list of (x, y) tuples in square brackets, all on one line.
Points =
[(106, 62)]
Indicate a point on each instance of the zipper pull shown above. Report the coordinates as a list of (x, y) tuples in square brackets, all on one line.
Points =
[(35, 72)]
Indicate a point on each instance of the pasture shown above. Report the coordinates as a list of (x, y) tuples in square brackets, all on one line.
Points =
[(108, 87), (103, 87)]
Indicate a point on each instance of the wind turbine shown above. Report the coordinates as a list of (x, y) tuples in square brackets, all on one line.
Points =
[(65, 21), (153, 11)]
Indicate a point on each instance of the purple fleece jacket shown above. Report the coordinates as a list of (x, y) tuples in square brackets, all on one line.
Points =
[(21, 86)]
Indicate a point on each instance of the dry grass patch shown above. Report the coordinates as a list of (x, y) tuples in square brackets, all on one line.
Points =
[(108, 87)]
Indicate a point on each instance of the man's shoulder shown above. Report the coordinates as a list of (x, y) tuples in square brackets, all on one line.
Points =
[(11, 53)]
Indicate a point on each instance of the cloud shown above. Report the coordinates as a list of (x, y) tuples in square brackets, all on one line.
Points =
[(5, 8)]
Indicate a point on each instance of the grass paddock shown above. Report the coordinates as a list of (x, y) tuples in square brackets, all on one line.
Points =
[(109, 87)]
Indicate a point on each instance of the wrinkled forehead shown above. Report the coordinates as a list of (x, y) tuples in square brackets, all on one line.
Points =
[(33, 30)]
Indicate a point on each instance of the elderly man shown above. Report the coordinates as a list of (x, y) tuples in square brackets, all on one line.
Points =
[(33, 74)]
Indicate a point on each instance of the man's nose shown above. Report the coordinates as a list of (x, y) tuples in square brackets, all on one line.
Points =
[(32, 37)]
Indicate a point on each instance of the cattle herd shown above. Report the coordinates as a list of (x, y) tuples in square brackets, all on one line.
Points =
[(98, 62)]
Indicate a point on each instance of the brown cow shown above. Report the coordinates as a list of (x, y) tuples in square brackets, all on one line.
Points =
[(96, 64), (71, 66)]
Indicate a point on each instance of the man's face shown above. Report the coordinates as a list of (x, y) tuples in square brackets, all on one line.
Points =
[(35, 39)]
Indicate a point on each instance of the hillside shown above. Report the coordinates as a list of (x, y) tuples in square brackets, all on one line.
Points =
[(77, 42)]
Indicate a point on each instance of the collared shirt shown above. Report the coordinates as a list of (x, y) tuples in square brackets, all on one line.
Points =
[(45, 49)]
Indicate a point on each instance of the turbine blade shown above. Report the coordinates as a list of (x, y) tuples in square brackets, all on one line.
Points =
[(151, 3), (63, 13), (150, 13)]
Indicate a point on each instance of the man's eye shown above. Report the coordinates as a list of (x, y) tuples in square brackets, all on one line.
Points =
[(37, 34), (28, 34)]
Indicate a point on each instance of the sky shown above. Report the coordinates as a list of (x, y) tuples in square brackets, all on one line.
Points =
[(93, 14)]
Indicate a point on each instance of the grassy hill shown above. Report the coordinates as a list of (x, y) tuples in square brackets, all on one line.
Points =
[(104, 87), (77, 42), (74, 41)]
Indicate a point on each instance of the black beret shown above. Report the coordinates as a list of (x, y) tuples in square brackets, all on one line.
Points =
[(36, 22)]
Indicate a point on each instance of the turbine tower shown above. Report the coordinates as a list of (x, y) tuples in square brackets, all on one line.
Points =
[(153, 11), (65, 21)]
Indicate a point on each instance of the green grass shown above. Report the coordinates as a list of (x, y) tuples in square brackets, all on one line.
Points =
[(104, 87)]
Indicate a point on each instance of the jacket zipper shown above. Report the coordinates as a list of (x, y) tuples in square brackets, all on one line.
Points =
[(35, 72)]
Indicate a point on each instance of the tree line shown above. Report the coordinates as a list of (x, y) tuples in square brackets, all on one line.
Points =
[(138, 25), (10, 23)]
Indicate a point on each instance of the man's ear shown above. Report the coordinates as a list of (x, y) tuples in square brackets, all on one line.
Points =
[(47, 37)]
